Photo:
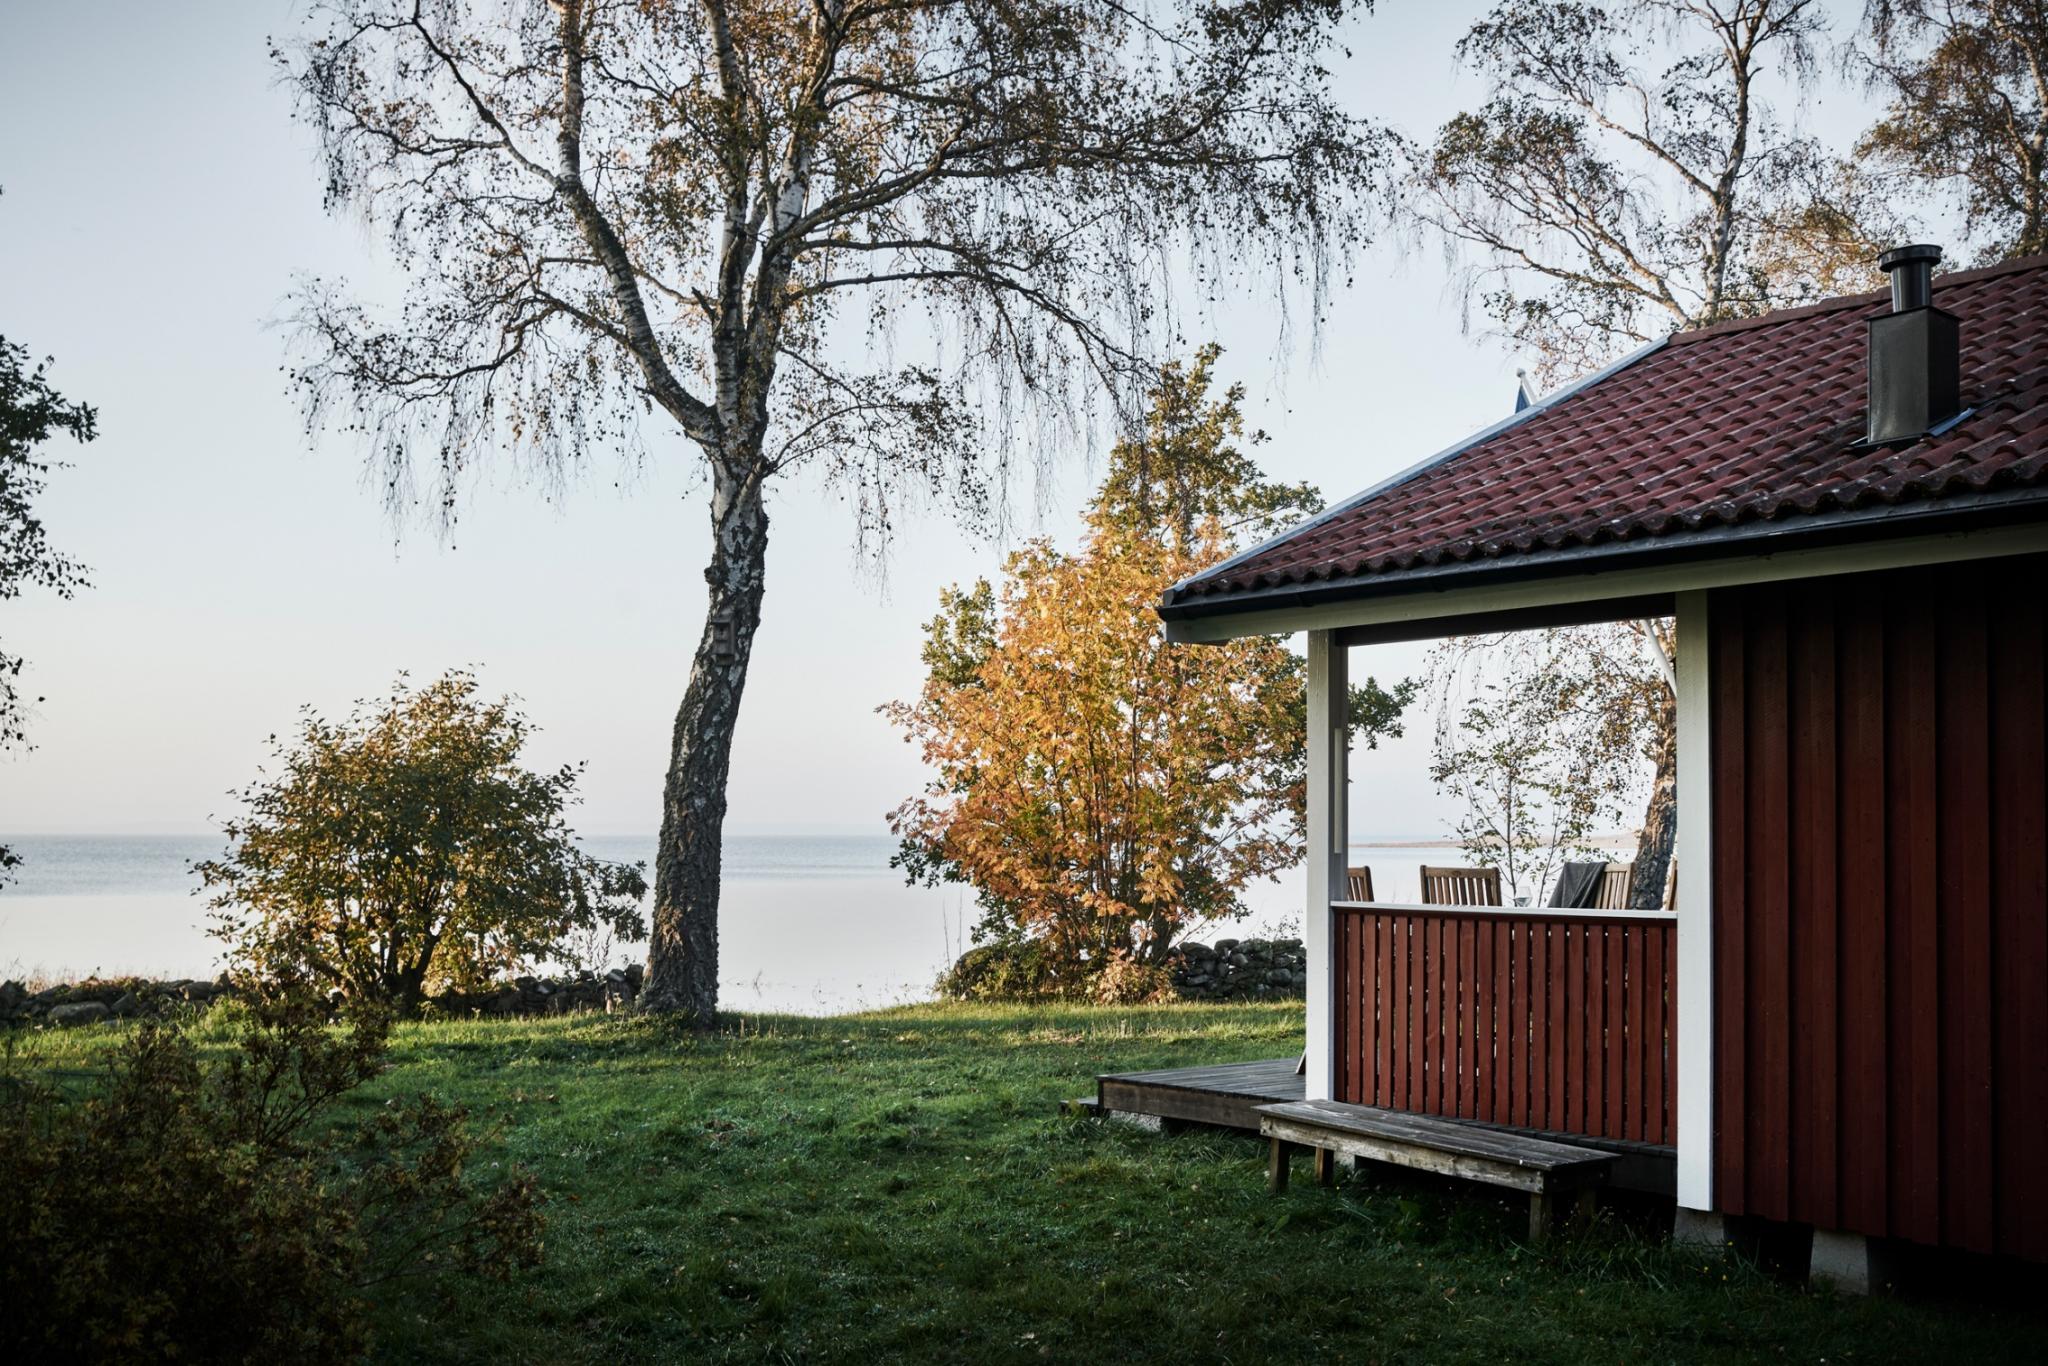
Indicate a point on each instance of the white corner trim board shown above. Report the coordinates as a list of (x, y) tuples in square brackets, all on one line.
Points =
[(1695, 854), (1328, 756)]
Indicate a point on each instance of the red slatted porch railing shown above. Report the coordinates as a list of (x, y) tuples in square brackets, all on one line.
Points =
[(1561, 1021)]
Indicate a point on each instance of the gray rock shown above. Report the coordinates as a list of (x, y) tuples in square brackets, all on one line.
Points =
[(124, 1006), (79, 1013)]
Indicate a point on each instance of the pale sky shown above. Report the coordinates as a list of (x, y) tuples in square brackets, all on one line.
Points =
[(159, 203)]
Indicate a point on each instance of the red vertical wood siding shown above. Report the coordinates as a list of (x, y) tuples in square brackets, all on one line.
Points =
[(1558, 1022), (1880, 788)]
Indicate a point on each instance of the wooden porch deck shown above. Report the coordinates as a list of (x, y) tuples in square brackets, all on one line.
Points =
[(1225, 1095)]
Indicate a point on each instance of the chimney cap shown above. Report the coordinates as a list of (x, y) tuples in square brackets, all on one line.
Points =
[(1915, 353), (1909, 255)]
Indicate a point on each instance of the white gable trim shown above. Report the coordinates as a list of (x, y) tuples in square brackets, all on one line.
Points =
[(1516, 418)]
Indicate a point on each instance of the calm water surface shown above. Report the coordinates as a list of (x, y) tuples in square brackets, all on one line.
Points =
[(809, 924)]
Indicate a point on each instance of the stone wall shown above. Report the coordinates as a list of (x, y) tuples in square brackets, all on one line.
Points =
[(1240, 970), (615, 991), (120, 998), (114, 998), (1231, 970)]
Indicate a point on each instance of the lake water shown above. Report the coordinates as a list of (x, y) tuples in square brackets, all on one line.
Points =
[(813, 925)]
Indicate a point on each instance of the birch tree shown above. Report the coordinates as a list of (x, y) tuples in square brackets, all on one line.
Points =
[(723, 218), (1965, 84), (1629, 177), (1546, 737)]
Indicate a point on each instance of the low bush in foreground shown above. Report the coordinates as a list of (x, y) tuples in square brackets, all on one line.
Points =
[(896, 1186), (180, 1201)]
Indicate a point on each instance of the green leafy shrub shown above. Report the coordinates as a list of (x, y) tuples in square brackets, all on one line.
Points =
[(1027, 969), (1012, 969), (188, 1205), (406, 852)]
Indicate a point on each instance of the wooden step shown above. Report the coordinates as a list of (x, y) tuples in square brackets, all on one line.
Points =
[(1541, 1167)]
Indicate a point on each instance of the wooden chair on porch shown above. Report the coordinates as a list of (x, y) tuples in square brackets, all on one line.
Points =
[(1614, 885), (1620, 877), (1460, 886)]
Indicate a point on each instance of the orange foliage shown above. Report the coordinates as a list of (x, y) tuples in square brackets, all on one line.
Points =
[(1102, 789), (1105, 786)]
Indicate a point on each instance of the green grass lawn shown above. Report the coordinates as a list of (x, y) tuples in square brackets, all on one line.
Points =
[(896, 1185)]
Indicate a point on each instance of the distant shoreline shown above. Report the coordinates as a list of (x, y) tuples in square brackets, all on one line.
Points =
[(1375, 842), (1614, 838)]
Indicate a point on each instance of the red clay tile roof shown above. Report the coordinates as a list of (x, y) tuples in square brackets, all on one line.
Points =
[(1748, 422)]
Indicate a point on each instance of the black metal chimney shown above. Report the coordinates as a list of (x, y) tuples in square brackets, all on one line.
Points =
[(1915, 353)]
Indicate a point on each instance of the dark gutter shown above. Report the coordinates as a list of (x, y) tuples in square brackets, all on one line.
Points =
[(1969, 512)]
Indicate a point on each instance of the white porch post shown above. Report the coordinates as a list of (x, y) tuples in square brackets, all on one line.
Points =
[(1695, 853), (1328, 840)]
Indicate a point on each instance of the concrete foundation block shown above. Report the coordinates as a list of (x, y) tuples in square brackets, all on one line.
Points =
[(1151, 1123), (1699, 1229), (1850, 1262)]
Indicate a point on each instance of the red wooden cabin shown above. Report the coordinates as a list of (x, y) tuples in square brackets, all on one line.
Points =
[(1845, 507)]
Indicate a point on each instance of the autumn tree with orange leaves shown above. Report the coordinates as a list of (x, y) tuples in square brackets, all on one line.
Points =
[(1102, 789)]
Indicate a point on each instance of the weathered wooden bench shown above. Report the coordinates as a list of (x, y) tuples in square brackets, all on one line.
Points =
[(1546, 1169)]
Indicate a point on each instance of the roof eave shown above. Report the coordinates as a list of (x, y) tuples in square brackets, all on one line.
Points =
[(1965, 512)]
